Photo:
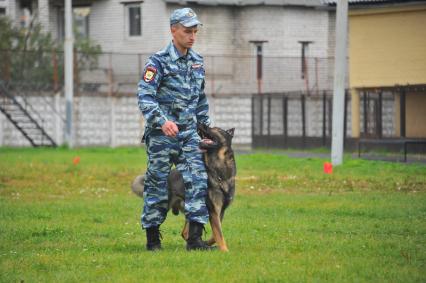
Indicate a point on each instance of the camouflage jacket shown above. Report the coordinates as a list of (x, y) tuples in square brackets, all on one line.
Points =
[(172, 88)]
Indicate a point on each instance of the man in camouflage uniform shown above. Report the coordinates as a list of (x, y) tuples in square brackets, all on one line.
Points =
[(172, 100)]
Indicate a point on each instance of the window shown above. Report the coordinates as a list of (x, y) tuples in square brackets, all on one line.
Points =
[(2, 11), (134, 19), (80, 22)]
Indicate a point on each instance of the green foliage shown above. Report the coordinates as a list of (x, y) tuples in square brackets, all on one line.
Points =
[(87, 52), (29, 53), (290, 222)]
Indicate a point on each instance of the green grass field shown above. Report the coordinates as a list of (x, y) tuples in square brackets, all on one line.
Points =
[(290, 222)]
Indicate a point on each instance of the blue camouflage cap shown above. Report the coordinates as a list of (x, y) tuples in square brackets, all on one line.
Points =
[(184, 16)]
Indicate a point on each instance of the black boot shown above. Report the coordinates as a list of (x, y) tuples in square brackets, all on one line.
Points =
[(194, 241), (153, 242)]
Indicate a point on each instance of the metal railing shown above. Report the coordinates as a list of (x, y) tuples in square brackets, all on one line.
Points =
[(118, 73)]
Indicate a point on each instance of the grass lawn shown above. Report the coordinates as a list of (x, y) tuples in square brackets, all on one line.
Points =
[(290, 222)]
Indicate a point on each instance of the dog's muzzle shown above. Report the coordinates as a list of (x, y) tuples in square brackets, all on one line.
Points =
[(208, 145)]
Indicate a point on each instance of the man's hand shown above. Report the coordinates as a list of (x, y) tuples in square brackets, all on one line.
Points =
[(170, 129)]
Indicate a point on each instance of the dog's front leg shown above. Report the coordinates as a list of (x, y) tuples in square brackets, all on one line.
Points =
[(211, 241), (217, 231)]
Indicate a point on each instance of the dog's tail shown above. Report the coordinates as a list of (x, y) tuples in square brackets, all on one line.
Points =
[(137, 185)]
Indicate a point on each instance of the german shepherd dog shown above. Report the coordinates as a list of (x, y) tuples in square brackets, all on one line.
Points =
[(221, 170)]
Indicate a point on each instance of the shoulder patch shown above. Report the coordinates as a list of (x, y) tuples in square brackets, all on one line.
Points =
[(150, 73)]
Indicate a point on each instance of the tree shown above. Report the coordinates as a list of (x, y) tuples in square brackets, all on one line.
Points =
[(32, 58)]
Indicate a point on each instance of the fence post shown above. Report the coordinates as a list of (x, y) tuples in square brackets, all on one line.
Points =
[(285, 119), (269, 117), (110, 76), (253, 119), (345, 115), (76, 73), (324, 118), (110, 102), (55, 71), (112, 121), (58, 131), (330, 115), (380, 116), (316, 77), (365, 102), (302, 100), (261, 116), (402, 113)]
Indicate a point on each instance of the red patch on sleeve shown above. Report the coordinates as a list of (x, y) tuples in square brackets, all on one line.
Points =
[(150, 73)]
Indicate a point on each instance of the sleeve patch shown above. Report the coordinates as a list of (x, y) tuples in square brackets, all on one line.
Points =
[(150, 73)]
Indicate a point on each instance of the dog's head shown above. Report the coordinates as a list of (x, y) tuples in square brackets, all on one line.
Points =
[(218, 136)]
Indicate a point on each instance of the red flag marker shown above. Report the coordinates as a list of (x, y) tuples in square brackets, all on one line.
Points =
[(328, 168), (76, 160)]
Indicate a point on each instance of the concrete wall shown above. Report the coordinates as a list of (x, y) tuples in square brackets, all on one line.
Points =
[(116, 121)]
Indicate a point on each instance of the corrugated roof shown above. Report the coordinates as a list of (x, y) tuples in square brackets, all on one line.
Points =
[(309, 3), (367, 2)]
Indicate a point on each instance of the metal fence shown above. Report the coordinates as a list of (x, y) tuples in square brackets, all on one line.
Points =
[(117, 74), (304, 120)]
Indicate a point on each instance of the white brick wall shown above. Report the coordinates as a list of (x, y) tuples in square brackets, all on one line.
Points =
[(232, 112), (226, 30), (108, 27), (116, 121)]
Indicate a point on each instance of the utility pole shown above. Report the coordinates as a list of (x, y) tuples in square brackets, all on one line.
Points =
[(69, 74), (340, 68)]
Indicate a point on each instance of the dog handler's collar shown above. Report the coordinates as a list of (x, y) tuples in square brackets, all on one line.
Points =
[(175, 54)]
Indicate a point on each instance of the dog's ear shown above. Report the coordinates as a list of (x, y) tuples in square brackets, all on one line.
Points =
[(231, 132)]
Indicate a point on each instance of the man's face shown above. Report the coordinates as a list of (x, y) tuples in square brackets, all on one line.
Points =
[(184, 37)]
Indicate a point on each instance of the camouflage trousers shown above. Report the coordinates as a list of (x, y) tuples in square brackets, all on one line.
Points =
[(183, 151)]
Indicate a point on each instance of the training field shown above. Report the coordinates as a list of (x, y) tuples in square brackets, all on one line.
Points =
[(65, 221)]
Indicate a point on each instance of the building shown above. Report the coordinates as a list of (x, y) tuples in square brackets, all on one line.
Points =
[(387, 64), (131, 30), (297, 36)]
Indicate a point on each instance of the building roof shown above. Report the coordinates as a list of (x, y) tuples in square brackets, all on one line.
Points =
[(372, 2), (307, 3)]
